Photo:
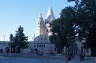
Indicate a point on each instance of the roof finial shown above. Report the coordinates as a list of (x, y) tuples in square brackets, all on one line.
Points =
[(40, 16)]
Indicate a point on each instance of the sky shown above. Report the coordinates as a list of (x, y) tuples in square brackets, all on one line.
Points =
[(14, 13)]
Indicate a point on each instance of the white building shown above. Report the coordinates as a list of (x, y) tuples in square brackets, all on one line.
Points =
[(43, 31), (3, 45), (41, 40)]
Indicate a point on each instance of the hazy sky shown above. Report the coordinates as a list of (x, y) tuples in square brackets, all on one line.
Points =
[(25, 13)]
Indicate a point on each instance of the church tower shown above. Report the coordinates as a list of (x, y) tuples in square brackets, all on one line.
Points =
[(43, 28), (43, 32), (40, 26), (49, 18), (50, 15)]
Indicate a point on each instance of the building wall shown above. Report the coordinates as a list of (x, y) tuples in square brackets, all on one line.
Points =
[(43, 47), (3, 45)]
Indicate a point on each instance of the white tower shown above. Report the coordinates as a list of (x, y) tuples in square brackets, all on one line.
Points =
[(40, 26), (41, 39), (49, 18), (50, 15)]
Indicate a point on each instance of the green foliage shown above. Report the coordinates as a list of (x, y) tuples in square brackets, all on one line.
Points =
[(88, 8), (11, 37), (19, 40), (62, 28), (84, 16), (91, 39)]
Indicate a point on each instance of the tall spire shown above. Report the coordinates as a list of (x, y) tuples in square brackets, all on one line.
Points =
[(50, 14)]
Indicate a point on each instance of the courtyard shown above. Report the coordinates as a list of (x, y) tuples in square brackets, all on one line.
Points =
[(44, 60)]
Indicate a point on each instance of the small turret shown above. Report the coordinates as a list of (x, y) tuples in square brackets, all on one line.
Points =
[(40, 19), (40, 26)]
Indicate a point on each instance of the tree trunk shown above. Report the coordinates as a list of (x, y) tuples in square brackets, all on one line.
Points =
[(93, 51)]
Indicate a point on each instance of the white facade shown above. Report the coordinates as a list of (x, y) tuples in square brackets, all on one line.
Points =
[(43, 31), (3, 45), (40, 26), (42, 47), (41, 39)]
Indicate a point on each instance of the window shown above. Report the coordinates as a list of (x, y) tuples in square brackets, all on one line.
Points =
[(34, 45)]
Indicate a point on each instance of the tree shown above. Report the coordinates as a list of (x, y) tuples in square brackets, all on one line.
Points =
[(79, 19), (61, 28), (20, 40), (11, 37), (86, 19), (89, 23), (91, 40)]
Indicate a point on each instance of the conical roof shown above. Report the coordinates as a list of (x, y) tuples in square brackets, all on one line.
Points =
[(50, 14)]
